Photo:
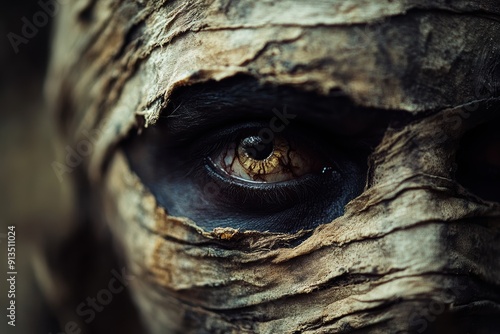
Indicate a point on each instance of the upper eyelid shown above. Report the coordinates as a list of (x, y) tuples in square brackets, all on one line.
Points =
[(195, 111), (204, 102), (214, 134), (202, 140), (195, 122)]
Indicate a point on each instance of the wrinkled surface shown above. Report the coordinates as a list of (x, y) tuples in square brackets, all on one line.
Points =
[(414, 239), (129, 58)]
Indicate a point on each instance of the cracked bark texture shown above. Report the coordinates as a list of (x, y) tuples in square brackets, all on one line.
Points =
[(415, 252)]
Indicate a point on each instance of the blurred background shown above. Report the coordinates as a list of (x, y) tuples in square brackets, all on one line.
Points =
[(31, 195)]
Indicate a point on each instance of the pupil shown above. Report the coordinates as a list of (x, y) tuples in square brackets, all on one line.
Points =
[(256, 148)]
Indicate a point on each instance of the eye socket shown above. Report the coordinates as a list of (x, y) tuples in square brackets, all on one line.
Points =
[(315, 164), (478, 161), (254, 158), (232, 176)]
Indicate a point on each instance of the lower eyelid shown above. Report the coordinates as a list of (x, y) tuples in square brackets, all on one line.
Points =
[(293, 191), (213, 169)]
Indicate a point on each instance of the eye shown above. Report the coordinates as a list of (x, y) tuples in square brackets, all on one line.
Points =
[(255, 158), (236, 177), (215, 159)]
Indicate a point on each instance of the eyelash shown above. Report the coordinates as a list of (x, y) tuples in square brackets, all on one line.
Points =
[(274, 193), (173, 160), (279, 195)]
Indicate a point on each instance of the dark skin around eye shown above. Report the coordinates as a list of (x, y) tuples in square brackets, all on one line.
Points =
[(478, 161), (173, 157)]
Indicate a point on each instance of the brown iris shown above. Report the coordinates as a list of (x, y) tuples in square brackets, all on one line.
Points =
[(255, 159)]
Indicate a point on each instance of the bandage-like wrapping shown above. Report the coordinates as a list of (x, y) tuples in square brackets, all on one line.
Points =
[(414, 241)]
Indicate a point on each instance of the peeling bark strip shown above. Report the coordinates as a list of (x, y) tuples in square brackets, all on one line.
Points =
[(415, 248)]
